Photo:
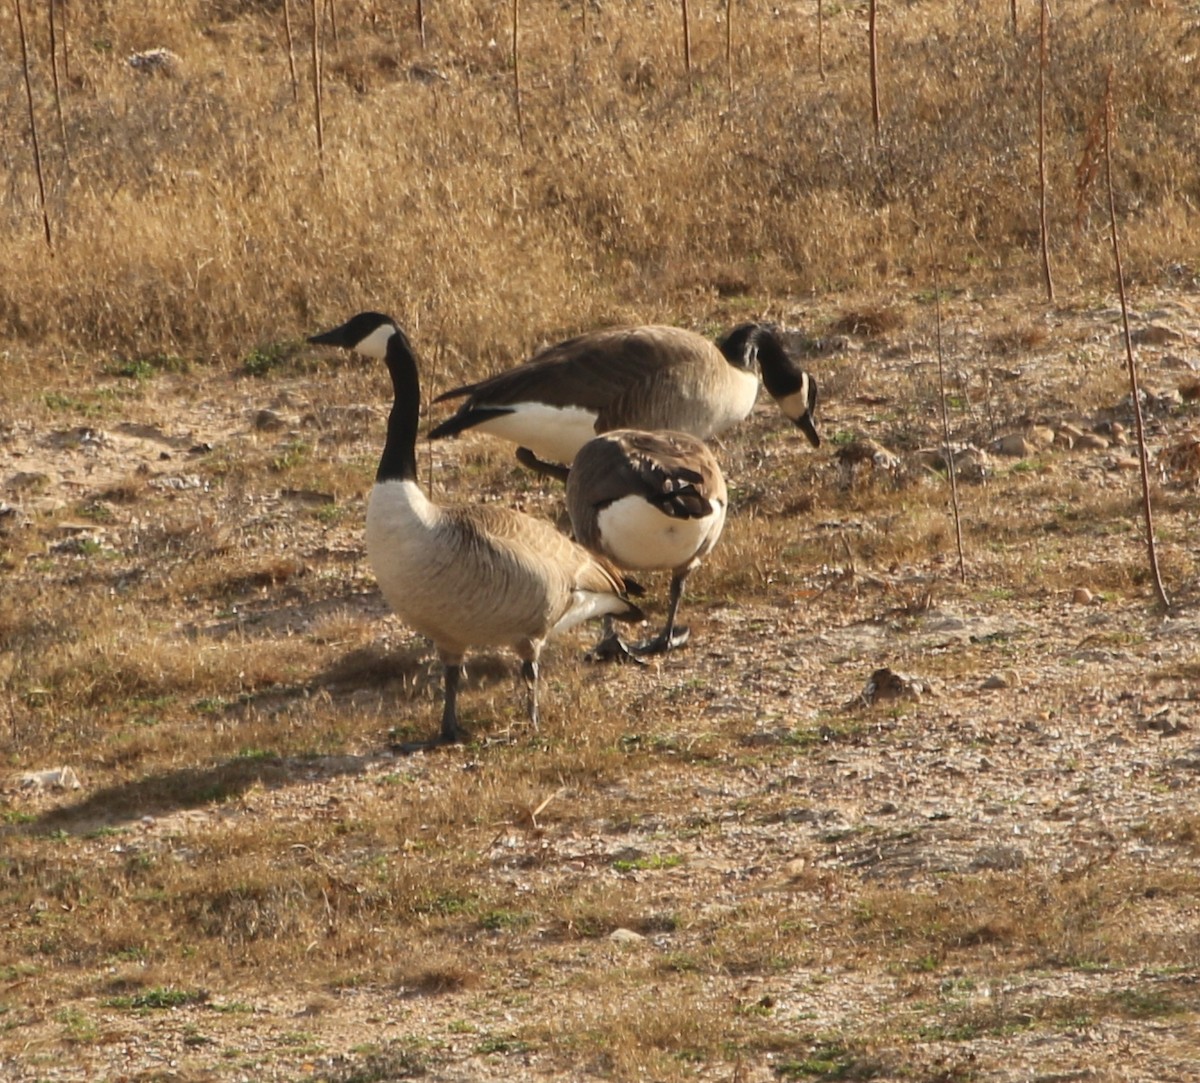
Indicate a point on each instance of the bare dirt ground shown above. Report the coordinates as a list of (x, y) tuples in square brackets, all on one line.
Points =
[(985, 868)]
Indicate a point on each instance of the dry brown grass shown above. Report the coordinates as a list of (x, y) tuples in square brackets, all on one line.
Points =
[(252, 881), (192, 218)]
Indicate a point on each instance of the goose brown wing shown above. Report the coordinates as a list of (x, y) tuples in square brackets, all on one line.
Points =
[(671, 470), (588, 371)]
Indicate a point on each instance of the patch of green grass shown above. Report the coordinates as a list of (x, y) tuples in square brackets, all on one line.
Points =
[(293, 454), (445, 904), (263, 360), (160, 999), (649, 862), (831, 1061), (380, 1066), (76, 1025), (497, 920), (1147, 1004), (143, 368), (503, 1046)]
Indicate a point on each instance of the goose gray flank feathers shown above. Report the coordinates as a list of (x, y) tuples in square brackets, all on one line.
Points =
[(648, 377), (467, 575)]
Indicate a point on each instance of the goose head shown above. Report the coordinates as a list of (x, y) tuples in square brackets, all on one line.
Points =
[(793, 389), (367, 333)]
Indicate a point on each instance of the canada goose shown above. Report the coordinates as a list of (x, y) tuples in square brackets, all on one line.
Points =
[(646, 378), (467, 576), (647, 501)]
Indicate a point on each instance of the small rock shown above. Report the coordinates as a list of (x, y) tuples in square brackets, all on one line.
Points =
[(1040, 436), (154, 62), (1013, 445), (625, 936), (1154, 335), (970, 463), (268, 420), (886, 683), (999, 859), (869, 453), (1067, 435), (30, 480), (1091, 441), (57, 778)]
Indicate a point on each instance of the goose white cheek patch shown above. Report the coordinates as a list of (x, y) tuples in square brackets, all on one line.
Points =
[(376, 343)]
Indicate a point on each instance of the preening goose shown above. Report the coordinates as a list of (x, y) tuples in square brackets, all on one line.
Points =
[(647, 378), (647, 501), (467, 576)]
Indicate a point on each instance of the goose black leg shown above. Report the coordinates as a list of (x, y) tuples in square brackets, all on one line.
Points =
[(612, 648), (451, 732), (550, 470), (529, 671), (670, 638)]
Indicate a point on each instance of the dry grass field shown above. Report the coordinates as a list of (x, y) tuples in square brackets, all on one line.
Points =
[(746, 861)]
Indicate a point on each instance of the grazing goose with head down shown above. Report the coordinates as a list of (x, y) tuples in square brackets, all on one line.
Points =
[(647, 501), (646, 378), (467, 576)]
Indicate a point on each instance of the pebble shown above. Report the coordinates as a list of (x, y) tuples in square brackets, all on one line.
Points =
[(625, 936), (1013, 445)]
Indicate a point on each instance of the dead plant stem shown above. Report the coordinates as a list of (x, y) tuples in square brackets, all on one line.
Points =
[(291, 52), (937, 310), (33, 134), (1135, 394), (516, 65), (319, 120), (1043, 61), (873, 43), (729, 45), (62, 126), (687, 42), (821, 39)]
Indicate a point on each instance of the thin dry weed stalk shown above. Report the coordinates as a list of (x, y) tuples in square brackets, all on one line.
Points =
[(318, 114), (687, 41), (1127, 338), (873, 61), (950, 467), (1043, 63), (516, 69), (33, 133), (51, 14), (291, 52)]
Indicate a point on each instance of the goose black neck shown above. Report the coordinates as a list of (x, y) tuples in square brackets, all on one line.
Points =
[(781, 376), (740, 346), (399, 459)]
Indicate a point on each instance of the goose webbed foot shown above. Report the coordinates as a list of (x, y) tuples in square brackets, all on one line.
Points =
[(612, 648), (663, 642), (431, 744)]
